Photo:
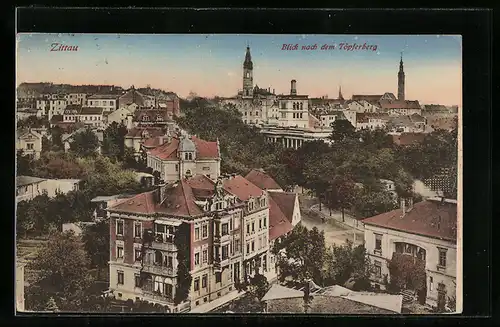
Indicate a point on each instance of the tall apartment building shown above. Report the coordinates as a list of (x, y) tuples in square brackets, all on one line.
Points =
[(216, 230)]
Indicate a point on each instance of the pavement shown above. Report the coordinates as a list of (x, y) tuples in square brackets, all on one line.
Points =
[(209, 306)]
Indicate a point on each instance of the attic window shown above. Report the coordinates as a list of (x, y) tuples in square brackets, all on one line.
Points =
[(145, 118)]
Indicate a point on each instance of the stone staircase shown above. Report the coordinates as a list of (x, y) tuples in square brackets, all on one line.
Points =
[(408, 296)]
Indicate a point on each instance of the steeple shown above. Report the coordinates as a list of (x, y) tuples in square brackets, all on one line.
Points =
[(340, 93), (401, 80), (248, 59)]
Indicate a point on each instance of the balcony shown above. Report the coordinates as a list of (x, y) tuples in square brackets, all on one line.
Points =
[(220, 239), (159, 270), (149, 293), (164, 242)]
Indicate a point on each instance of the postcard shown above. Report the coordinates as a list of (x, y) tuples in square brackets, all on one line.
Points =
[(238, 174)]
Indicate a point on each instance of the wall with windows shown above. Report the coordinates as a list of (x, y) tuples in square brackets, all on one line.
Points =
[(256, 228), (106, 104), (440, 256)]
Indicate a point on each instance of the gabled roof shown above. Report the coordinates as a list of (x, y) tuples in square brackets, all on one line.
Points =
[(398, 104), (140, 203), (180, 201), (286, 202), (204, 149), (91, 111), (429, 218), (281, 292), (26, 132), (262, 180), (241, 188), (279, 224)]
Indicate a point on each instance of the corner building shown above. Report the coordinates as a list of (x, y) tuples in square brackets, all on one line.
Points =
[(218, 229)]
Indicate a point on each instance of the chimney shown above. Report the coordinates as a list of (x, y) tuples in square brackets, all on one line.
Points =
[(160, 191), (403, 207), (293, 87)]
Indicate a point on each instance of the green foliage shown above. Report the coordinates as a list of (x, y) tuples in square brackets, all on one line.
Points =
[(368, 203), (57, 165), (301, 254), (84, 143), (184, 278), (346, 262), (407, 272), (341, 193), (24, 164), (342, 131), (62, 272), (258, 286), (33, 122), (96, 242), (114, 141)]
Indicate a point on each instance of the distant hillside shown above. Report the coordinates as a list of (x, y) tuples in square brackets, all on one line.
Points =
[(35, 90)]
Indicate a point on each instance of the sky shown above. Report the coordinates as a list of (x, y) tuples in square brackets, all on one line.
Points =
[(212, 65)]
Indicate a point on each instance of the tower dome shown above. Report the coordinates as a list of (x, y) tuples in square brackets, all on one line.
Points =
[(186, 145)]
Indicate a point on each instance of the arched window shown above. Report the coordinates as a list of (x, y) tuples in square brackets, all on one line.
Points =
[(301, 105), (294, 106)]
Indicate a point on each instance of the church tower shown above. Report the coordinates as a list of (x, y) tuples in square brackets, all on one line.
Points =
[(401, 80), (340, 93), (248, 74)]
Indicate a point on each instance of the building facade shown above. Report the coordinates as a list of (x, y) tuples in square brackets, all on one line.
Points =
[(108, 102), (222, 227), (425, 232), (29, 142), (185, 155)]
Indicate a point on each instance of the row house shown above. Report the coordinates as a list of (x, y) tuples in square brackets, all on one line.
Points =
[(218, 231), (424, 235), (89, 116), (109, 102), (52, 106), (361, 106), (328, 118), (371, 120), (76, 98), (185, 155)]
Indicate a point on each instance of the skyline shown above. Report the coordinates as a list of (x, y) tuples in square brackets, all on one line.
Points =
[(211, 65)]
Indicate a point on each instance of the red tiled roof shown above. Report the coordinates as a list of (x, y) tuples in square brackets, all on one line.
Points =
[(286, 202), (368, 97), (430, 218), (262, 180), (408, 138), (155, 141), (180, 201), (141, 203), (279, 225), (397, 104), (202, 186), (241, 188), (204, 149)]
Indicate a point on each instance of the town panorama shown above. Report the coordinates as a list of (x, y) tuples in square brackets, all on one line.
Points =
[(135, 198)]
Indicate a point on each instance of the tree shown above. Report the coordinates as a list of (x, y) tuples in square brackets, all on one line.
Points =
[(62, 272), (258, 286), (369, 203), (96, 242), (84, 143), (346, 262), (56, 138), (24, 164), (407, 272), (114, 141), (46, 144), (341, 193), (302, 256), (342, 130)]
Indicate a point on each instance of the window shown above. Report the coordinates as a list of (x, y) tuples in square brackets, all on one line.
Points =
[(225, 252), (119, 252), (205, 256), (138, 230), (237, 246), (218, 277), (158, 257), (204, 281), (253, 226), (248, 248), (225, 229), (197, 233), (377, 267), (262, 203), (119, 227), (204, 231), (253, 246), (137, 279), (442, 257), (197, 259), (431, 284), (120, 278), (197, 284), (137, 254), (30, 146), (260, 224), (264, 221), (250, 206), (378, 243), (176, 167), (283, 115), (248, 229)]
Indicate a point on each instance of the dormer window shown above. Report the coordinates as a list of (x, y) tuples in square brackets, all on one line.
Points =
[(159, 118), (145, 118), (188, 156)]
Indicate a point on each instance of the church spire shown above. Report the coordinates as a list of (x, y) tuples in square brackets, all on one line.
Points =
[(248, 59), (340, 93), (401, 80)]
